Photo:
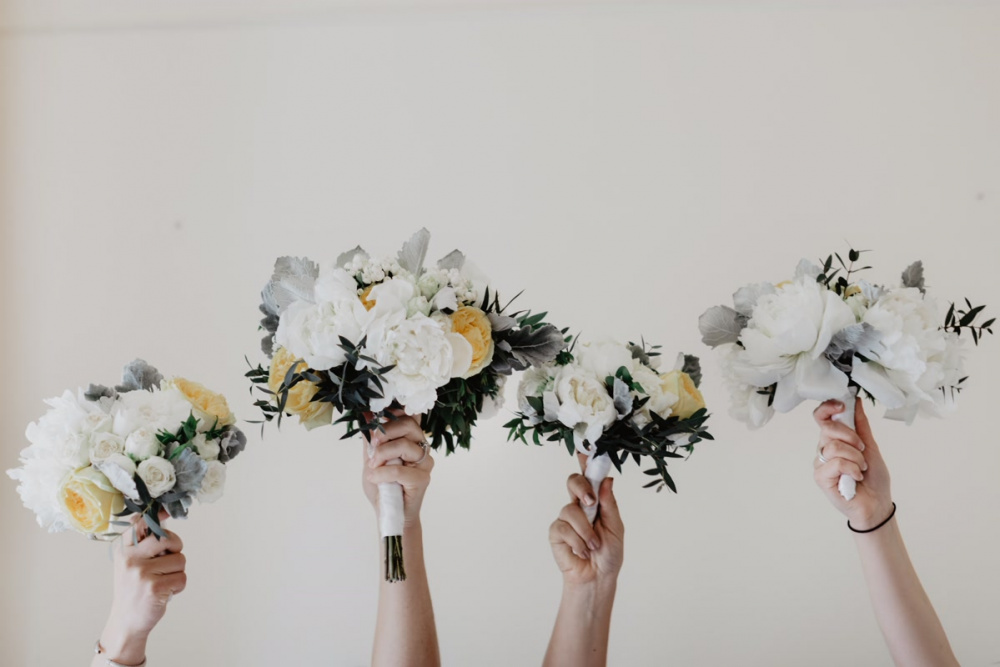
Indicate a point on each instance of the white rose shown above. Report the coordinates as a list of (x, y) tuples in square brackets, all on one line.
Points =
[(422, 360), (214, 482), (312, 332), (141, 444), (207, 449), (584, 403), (103, 445), (785, 340), (120, 471), (660, 400), (158, 475)]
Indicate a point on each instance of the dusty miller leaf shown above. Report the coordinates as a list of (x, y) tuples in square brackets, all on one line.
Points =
[(720, 325), (453, 260), (692, 366), (411, 256), (913, 276)]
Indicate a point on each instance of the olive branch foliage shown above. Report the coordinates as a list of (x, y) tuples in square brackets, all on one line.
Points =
[(624, 439)]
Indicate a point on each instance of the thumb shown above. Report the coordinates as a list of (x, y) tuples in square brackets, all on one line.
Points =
[(583, 459), (609, 513)]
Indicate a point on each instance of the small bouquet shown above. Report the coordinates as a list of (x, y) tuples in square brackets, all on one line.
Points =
[(826, 334), (610, 401), (145, 445), (367, 337)]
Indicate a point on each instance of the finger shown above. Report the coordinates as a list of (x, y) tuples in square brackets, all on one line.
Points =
[(168, 585), (151, 547), (827, 410), (864, 427), (828, 474), (407, 476), (832, 430), (561, 532), (580, 490), (573, 515), (168, 564), (835, 449), (401, 448), (401, 427), (583, 459), (610, 516)]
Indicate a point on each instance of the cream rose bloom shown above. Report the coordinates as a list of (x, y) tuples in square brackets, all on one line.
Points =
[(210, 408), (104, 444), (89, 500), (299, 403), (214, 482), (141, 444), (474, 326), (158, 475)]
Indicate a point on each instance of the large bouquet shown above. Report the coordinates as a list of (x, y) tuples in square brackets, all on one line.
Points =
[(826, 334), (367, 337), (145, 445), (610, 402)]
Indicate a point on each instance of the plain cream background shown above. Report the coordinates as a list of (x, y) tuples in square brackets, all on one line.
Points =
[(630, 164)]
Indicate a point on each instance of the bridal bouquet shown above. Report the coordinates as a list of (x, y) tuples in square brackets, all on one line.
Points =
[(367, 337), (826, 334), (145, 445), (610, 401)]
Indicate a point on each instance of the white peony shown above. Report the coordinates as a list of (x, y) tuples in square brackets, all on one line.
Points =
[(312, 332), (911, 369), (213, 483), (785, 340), (141, 444), (584, 403), (336, 286), (604, 358), (104, 444), (746, 403), (536, 381), (422, 360), (158, 475), (156, 410)]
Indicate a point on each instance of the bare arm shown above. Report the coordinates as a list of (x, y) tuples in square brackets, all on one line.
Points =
[(590, 558), (405, 633), (908, 621), (147, 575)]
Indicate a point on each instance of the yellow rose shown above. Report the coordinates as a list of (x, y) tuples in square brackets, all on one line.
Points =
[(299, 402), (689, 398), (89, 500), (365, 301), (208, 406), (852, 290), (473, 325)]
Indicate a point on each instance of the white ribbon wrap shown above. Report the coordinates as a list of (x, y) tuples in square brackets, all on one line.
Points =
[(390, 506), (598, 467), (847, 486)]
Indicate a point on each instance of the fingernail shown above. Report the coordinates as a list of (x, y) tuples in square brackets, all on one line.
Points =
[(594, 544), (589, 500), (864, 466)]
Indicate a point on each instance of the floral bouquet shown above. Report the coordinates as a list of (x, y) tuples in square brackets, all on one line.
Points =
[(826, 334), (610, 401), (367, 337), (145, 445)]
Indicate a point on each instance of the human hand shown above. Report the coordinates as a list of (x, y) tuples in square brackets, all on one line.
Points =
[(583, 552), (856, 454), (147, 574), (403, 440)]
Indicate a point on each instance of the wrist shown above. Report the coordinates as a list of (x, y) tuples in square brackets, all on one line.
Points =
[(123, 645), (597, 591), (869, 517)]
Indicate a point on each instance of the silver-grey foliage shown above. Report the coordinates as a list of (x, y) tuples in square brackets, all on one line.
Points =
[(720, 325), (96, 392), (692, 366), (913, 276), (190, 469), (858, 339), (453, 260), (411, 256), (623, 397), (139, 375), (293, 279), (231, 444)]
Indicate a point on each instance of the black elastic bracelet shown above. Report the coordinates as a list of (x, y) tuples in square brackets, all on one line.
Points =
[(870, 530)]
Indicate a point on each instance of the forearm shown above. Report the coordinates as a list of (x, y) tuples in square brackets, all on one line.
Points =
[(908, 621), (405, 633), (580, 635)]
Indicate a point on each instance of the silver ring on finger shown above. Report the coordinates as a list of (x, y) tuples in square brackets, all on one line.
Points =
[(819, 455), (426, 447)]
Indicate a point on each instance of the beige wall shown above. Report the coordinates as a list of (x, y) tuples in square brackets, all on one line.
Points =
[(628, 164)]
